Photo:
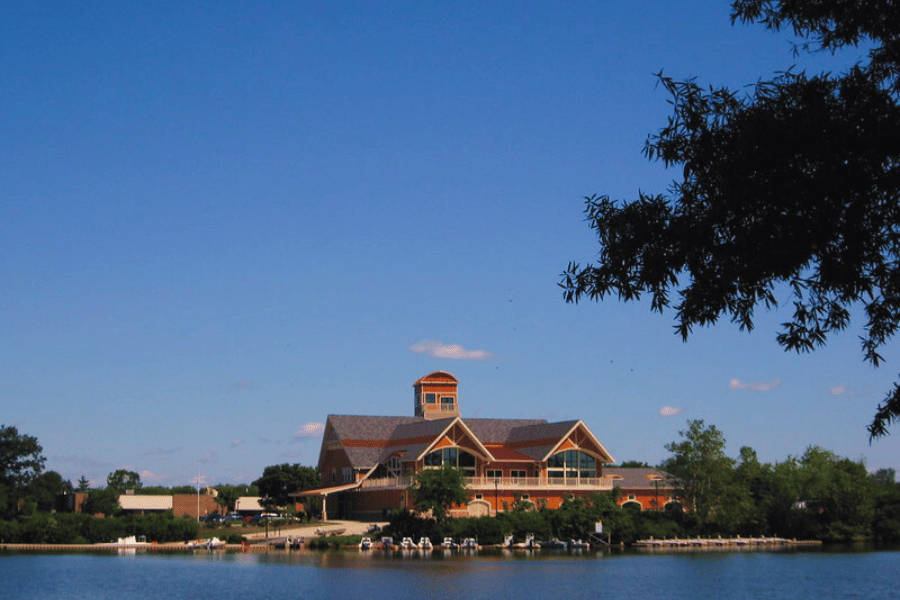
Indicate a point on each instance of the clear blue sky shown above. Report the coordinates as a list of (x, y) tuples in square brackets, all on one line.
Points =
[(221, 222)]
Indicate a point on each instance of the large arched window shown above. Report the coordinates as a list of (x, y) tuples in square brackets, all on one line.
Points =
[(572, 465), (455, 457)]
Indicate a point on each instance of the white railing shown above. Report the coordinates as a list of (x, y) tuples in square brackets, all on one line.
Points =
[(489, 483)]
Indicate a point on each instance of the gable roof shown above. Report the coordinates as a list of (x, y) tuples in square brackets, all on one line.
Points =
[(369, 441)]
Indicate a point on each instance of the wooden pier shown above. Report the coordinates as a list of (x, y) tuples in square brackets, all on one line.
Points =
[(722, 543)]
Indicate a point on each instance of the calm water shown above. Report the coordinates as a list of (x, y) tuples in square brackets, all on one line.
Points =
[(345, 575)]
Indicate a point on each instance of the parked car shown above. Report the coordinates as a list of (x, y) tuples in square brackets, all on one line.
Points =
[(213, 518)]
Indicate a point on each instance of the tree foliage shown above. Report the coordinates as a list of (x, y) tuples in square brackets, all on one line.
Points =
[(122, 480), (792, 188), (701, 469), (438, 490), (21, 462), (278, 481)]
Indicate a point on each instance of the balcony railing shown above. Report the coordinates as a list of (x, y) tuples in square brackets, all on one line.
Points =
[(506, 483)]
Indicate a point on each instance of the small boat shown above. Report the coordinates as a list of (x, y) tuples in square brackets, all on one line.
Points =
[(213, 543), (407, 544), (365, 543), (554, 544), (424, 543), (578, 544), (449, 544), (529, 543), (507, 541), (387, 543), (469, 544)]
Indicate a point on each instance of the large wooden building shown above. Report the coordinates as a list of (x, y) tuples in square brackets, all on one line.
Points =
[(367, 463)]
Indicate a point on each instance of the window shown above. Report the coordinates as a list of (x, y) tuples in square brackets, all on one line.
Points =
[(493, 474), (346, 475), (455, 457), (479, 496), (446, 400), (518, 474), (572, 465), (631, 496), (430, 398)]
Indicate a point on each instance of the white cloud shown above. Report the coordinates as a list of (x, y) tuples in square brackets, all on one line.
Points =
[(236, 442), (840, 390), (148, 476), (309, 430), (442, 350), (669, 411), (209, 457), (754, 386)]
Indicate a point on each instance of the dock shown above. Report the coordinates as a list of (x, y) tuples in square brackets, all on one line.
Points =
[(733, 543)]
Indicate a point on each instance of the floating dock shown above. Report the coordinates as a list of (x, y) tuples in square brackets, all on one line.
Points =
[(720, 542)]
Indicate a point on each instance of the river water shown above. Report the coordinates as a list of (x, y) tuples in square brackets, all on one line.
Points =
[(794, 575)]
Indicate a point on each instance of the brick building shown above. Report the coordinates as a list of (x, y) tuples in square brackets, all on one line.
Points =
[(366, 463)]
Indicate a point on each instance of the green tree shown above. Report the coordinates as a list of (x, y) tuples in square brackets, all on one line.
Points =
[(278, 481), (21, 462), (83, 484), (790, 189), (101, 502), (701, 470), (438, 490), (46, 490), (123, 480)]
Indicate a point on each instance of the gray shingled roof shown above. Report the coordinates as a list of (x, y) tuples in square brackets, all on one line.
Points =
[(637, 478), (488, 431)]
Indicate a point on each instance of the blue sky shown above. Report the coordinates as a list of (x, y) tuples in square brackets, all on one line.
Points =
[(221, 222)]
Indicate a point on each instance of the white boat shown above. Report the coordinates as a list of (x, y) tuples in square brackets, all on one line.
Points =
[(528, 544), (449, 544), (387, 543), (365, 543), (407, 544), (213, 543), (469, 544), (573, 544), (424, 543)]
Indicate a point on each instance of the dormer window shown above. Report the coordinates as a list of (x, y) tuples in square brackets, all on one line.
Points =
[(431, 398)]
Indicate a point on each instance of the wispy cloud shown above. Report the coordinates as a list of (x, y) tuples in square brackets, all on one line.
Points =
[(243, 384), (147, 476), (754, 386), (208, 458), (669, 411), (309, 430), (236, 442), (442, 350), (163, 451), (843, 390)]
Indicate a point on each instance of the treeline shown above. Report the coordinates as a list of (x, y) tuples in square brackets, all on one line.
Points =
[(818, 495), (78, 528)]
